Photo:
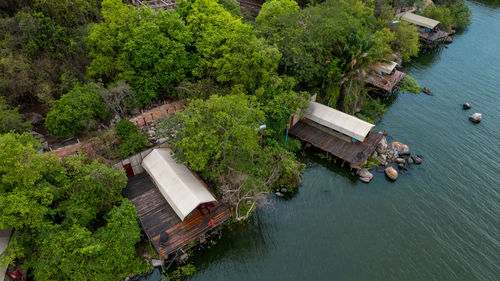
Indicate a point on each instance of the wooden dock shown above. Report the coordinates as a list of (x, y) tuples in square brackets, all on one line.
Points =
[(156, 216), (356, 154), (387, 83)]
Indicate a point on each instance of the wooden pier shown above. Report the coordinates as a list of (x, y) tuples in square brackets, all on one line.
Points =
[(385, 83), (354, 153), (156, 216)]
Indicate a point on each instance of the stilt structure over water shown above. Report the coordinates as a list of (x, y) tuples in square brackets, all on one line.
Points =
[(384, 77), (428, 30), (346, 137), (174, 206)]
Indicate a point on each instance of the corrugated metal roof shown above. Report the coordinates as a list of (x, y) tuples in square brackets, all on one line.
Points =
[(338, 121), (387, 68), (180, 187), (4, 242), (419, 20)]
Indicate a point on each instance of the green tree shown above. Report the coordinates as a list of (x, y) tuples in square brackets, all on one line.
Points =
[(220, 133), (69, 13), (132, 140), (75, 253), (230, 52), (157, 54), (27, 181), (11, 119), (107, 39), (405, 40), (79, 109), (68, 225), (92, 188)]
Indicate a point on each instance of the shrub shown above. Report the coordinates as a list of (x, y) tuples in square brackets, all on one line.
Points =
[(132, 140), (133, 144), (125, 128), (409, 84), (77, 110)]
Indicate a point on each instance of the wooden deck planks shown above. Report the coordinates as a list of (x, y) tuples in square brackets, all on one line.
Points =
[(386, 82), (354, 153), (156, 216)]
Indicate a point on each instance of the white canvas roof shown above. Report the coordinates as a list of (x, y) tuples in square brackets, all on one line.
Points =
[(380, 67), (338, 121), (419, 20), (4, 242), (180, 187)]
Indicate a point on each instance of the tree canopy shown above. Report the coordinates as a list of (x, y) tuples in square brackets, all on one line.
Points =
[(57, 208)]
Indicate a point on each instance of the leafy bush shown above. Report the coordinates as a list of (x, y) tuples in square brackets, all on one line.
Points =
[(133, 144), (456, 16), (125, 128), (11, 119), (132, 140), (409, 84), (77, 110), (181, 273), (372, 110)]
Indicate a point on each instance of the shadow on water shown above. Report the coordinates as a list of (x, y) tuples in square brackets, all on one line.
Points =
[(233, 244), (314, 157)]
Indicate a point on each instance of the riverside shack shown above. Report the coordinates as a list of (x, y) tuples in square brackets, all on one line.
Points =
[(174, 206), (347, 138), (384, 77), (428, 29)]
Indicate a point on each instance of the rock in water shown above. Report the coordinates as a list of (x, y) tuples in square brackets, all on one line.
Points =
[(466, 106), (427, 91), (401, 165), (400, 147), (391, 173), (365, 175), (400, 160), (476, 117), (410, 160), (279, 194), (382, 146), (382, 159), (417, 159)]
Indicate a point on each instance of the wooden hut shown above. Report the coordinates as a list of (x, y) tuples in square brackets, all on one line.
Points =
[(344, 136), (174, 206), (428, 29), (384, 77)]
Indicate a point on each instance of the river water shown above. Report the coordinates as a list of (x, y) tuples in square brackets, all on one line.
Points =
[(440, 221)]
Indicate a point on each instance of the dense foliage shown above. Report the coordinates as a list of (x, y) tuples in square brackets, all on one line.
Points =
[(132, 141), (70, 219), (77, 110), (453, 15), (221, 140), (11, 119), (83, 59)]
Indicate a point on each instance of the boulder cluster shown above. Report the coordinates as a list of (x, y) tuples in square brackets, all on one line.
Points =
[(395, 154)]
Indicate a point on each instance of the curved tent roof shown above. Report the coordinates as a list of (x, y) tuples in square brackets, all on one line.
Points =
[(419, 20), (386, 67), (338, 120), (180, 187)]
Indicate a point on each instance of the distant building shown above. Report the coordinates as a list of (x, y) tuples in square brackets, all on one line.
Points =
[(344, 136), (428, 29)]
